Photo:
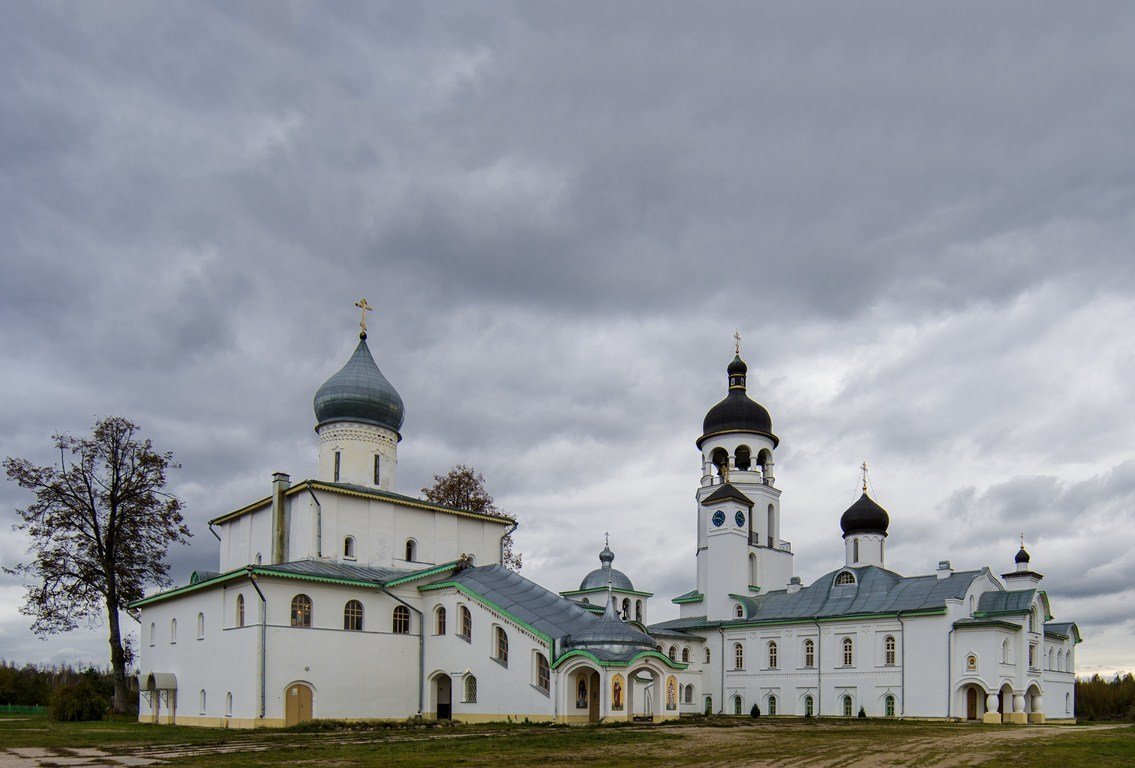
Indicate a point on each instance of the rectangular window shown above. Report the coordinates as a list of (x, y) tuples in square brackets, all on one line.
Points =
[(377, 473), (338, 458)]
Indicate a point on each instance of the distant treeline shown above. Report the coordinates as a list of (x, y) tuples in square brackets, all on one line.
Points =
[(32, 684), (1100, 699)]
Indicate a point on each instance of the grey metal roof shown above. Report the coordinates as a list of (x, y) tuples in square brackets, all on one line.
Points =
[(658, 631), (690, 622), (687, 596), (996, 603), (335, 570), (1063, 629), (526, 600), (359, 392), (612, 637)]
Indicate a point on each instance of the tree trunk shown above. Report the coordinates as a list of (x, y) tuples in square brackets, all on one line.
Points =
[(117, 661)]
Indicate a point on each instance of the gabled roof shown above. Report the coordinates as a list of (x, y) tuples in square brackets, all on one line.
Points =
[(525, 601), (727, 492), (1004, 603), (361, 491), (693, 596)]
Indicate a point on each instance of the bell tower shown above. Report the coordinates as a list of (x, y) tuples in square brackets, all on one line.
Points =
[(740, 551)]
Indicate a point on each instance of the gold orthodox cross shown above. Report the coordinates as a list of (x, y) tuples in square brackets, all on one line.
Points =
[(363, 309), (863, 467), (737, 342)]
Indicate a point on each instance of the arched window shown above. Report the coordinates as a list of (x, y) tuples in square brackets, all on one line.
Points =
[(686, 655), (626, 609), (689, 694), (338, 464), (809, 654), (971, 663), (301, 611), (153, 634), (971, 603), (543, 673), (349, 547), (200, 626), (411, 550), (772, 656), (738, 656), (739, 611), (809, 706), (466, 629), (638, 611), (470, 689), (771, 704), (1050, 658), (855, 550), (401, 620), (737, 705), (889, 650), (173, 630), (229, 704), (707, 656), (889, 706), (771, 522), (1033, 620), (720, 459), (439, 620), (240, 610), (709, 705), (1068, 703), (259, 559), (202, 696), (500, 650), (672, 653), (377, 468), (847, 705), (353, 616), (845, 577), (1004, 651), (848, 652), (752, 570), (742, 457)]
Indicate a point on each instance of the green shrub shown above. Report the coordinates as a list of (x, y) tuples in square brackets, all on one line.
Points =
[(755, 712), (78, 701)]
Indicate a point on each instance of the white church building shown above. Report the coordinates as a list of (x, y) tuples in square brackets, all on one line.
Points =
[(339, 597)]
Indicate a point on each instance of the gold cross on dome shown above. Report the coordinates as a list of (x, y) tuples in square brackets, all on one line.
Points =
[(606, 539), (363, 309), (863, 467), (737, 342)]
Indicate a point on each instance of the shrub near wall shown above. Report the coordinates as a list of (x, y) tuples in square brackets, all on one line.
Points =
[(78, 701)]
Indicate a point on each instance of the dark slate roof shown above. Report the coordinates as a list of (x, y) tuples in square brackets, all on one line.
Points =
[(359, 392), (526, 600), (864, 516), (333, 570), (727, 492), (1063, 629), (690, 622), (998, 603), (659, 632)]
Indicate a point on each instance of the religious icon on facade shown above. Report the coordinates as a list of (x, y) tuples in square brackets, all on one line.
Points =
[(671, 693), (617, 693)]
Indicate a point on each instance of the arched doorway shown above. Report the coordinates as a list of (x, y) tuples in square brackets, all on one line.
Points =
[(298, 703), (443, 696), (972, 704)]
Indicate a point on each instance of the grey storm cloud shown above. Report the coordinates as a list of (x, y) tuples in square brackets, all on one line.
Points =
[(920, 217)]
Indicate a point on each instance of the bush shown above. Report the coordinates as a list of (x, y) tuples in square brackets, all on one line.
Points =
[(755, 712), (78, 701), (862, 713)]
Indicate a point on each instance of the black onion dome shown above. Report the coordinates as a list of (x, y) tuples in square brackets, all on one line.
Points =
[(359, 392), (737, 413), (1022, 556), (865, 516)]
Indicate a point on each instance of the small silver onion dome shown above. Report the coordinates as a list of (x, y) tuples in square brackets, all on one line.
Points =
[(359, 392)]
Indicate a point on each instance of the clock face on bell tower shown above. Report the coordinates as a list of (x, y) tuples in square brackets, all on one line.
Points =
[(740, 518), (719, 518)]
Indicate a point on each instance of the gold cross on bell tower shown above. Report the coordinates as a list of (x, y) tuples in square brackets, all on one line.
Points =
[(737, 342), (363, 309)]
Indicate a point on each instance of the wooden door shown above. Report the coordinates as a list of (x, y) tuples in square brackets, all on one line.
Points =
[(971, 704), (444, 697), (593, 698), (298, 704)]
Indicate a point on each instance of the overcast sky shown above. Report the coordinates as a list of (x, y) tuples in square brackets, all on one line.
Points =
[(921, 218)]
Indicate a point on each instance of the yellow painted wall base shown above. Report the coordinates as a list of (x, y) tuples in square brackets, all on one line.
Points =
[(991, 717), (1036, 717), (1019, 718)]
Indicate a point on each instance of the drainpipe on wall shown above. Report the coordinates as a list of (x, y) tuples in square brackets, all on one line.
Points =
[(318, 522), (949, 672), (902, 669), (721, 709), (216, 535), (819, 670), (262, 663), (421, 648)]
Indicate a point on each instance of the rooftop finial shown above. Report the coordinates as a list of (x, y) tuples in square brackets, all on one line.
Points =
[(863, 469), (607, 538), (1022, 539), (363, 309), (737, 342)]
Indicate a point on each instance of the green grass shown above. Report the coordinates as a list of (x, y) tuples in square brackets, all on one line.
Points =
[(796, 742)]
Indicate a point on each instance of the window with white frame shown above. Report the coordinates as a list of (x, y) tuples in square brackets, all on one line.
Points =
[(848, 705), (543, 673), (353, 616), (240, 610), (439, 620), (349, 548), (809, 654), (401, 620), (848, 652), (500, 651), (772, 654), (465, 631), (200, 626), (738, 656), (470, 689), (889, 650)]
